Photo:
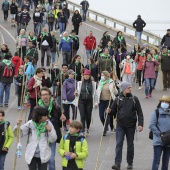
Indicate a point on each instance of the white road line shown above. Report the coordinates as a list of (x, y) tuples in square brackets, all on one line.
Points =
[(3, 42)]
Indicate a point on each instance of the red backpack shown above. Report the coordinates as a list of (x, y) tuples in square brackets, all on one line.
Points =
[(8, 71)]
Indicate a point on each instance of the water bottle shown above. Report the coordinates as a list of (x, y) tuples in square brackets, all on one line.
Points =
[(19, 150)]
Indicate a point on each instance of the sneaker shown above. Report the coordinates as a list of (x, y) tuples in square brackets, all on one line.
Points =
[(117, 167), (28, 105), (5, 105), (19, 107), (140, 87), (104, 133), (147, 97), (113, 130), (130, 166), (1, 105), (150, 95), (87, 132)]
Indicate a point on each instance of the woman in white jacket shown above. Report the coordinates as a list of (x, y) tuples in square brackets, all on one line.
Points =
[(106, 92), (40, 131), (128, 69)]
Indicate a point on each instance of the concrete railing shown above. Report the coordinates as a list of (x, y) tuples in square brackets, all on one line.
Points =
[(116, 25)]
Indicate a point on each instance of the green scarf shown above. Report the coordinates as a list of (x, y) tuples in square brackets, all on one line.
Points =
[(155, 57), (23, 36), (107, 36), (29, 50), (40, 128), (75, 134), (50, 107), (102, 83), (44, 34), (3, 121), (6, 62), (66, 40), (164, 54), (20, 76), (120, 38), (76, 63), (31, 38)]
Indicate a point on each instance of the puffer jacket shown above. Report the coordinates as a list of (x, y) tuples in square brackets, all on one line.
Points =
[(17, 62)]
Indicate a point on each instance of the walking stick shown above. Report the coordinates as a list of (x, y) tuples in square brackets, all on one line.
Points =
[(61, 84), (75, 114)]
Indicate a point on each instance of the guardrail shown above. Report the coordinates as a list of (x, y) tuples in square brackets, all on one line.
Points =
[(116, 25)]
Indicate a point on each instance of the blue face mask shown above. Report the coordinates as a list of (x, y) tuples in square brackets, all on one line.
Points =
[(102, 78), (164, 105)]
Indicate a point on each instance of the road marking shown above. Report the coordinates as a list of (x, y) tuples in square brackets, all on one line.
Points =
[(3, 42), (11, 105)]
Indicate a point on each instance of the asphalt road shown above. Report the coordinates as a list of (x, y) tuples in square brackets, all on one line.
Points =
[(143, 146)]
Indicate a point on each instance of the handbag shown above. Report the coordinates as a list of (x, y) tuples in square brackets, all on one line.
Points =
[(165, 137)]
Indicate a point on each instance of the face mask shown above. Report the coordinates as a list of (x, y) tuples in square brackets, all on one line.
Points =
[(128, 94), (102, 78), (164, 105)]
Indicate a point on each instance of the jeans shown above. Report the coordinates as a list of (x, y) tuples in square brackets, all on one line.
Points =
[(120, 133), (158, 151), (4, 87), (51, 163), (139, 34), (37, 28), (44, 23), (61, 27), (127, 78), (5, 15), (149, 85), (18, 28), (2, 160), (36, 162), (89, 53), (103, 105), (50, 26), (66, 57), (47, 50), (84, 15), (156, 76), (53, 56)]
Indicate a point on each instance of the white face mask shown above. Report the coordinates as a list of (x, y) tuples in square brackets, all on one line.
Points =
[(102, 78), (128, 57), (164, 105)]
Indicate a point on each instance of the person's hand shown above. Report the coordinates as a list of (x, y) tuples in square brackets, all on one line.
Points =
[(140, 128), (133, 74), (35, 85), (75, 93), (108, 110), (62, 118), (47, 126), (5, 149), (19, 121), (80, 23), (20, 84), (40, 36), (67, 153), (95, 106), (153, 59), (66, 102), (58, 83), (73, 155)]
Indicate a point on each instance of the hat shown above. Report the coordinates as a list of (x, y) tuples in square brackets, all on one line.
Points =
[(87, 72), (165, 99), (106, 74), (71, 72), (124, 85)]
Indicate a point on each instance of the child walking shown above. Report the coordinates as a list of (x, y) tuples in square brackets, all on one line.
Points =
[(73, 148), (6, 138)]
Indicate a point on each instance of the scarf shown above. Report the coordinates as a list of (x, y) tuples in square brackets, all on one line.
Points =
[(76, 63), (38, 80), (6, 62), (44, 34), (66, 40), (102, 83), (29, 50), (155, 57), (120, 38), (40, 128), (3, 121), (31, 38), (23, 36), (50, 107), (20, 76), (164, 54)]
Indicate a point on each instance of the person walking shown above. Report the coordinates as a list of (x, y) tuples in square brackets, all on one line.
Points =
[(159, 122), (166, 39), (13, 11), (127, 109), (119, 41), (139, 24), (5, 8), (85, 6), (4, 51), (25, 19), (76, 21), (50, 20)]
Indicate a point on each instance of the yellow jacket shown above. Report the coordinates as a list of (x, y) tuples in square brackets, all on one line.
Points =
[(56, 11), (9, 137)]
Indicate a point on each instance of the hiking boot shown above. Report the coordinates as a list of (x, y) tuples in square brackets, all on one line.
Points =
[(117, 167), (5, 105), (130, 166)]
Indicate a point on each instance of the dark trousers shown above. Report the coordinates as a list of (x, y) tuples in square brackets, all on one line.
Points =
[(67, 111), (76, 28), (120, 134), (156, 76), (22, 52), (66, 57), (50, 26), (140, 78), (48, 52), (18, 28), (32, 105), (19, 99), (71, 166), (85, 107), (166, 79), (36, 162), (118, 70), (5, 15), (84, 15)]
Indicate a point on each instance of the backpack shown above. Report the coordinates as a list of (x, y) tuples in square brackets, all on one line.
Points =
[(8, 71), (157, 116), (67, 137)]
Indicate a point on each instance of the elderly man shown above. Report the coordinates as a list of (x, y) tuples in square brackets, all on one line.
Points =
[(127, 108), (56, 119), (65, 45), (45, 44)]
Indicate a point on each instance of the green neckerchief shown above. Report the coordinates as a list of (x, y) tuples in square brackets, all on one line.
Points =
[(66, 40), (44, 34), (155, 57), (55, 39), (165, 54), (120, 38), (107, 36), (76, 63), (50, 14), (20, 76), (106, 57), (75, 134), (40, 128), (6, 62), (141, 54), (50, 107), (26, 64), (102, 83), (73, 37), (3, 121), (29, 50), (31, 38), (23, 36)]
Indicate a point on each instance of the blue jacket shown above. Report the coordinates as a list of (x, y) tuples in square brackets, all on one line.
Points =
[(163, 124), (29, 70), (65, 46)]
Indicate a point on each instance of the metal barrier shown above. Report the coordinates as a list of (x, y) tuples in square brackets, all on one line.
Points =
[(115, 24)]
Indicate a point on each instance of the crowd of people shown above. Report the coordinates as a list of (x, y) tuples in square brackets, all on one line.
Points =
[(102, 79)]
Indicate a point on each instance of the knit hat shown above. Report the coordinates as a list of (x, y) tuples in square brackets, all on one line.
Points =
[(70, 72), (87, 72), (124, 85), (165, 99), (106, 74)]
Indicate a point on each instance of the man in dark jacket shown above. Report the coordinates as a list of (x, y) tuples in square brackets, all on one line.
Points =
[(56, 118), (18, 20), (13, 11), (25, 18), (45, 44), (166, 39), (7, 70), (127, 108), (85, 6), (5, 8), (139, 24)]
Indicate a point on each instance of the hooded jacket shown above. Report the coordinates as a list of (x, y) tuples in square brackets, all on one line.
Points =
[(76, 19), (90, 43), (165, 62), (139, 24), (25, 17), (166, 40), (13, 8), (17, 62)]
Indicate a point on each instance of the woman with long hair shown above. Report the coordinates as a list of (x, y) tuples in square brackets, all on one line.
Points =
[(4, 51), (76, 21)]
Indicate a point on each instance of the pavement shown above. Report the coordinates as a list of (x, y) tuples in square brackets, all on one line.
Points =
[(143, 145)]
